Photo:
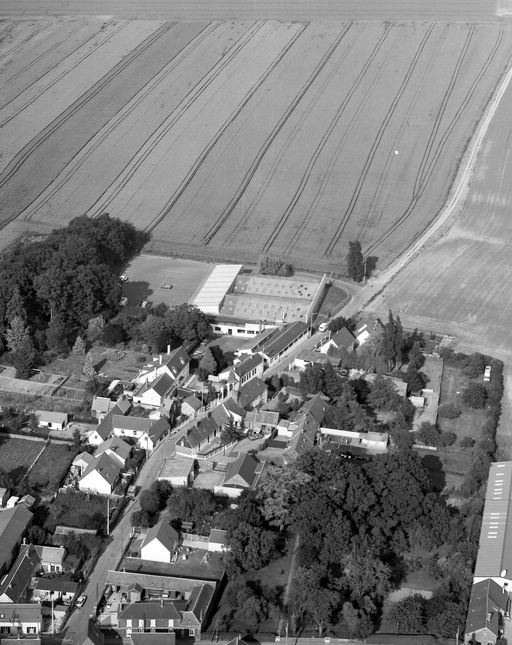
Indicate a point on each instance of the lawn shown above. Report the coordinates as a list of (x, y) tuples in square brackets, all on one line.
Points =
[(52, 466), (16, 456)]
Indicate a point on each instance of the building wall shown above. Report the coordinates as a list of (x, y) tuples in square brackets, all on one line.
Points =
[(155, 551), (95, 483), (483, 636), (95, 439)]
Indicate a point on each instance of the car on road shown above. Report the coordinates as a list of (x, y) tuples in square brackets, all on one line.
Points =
[(124, 278), (80, 602)]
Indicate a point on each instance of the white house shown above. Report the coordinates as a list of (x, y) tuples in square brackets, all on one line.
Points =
[(150, 438), (191, 406), (101, 476), (101, 406), (115, 448), (17, 619), (51, 420), (175, 364), (52, 558), (154, 394), (160, 542), (342, 339), (81, 462), (241, 474)]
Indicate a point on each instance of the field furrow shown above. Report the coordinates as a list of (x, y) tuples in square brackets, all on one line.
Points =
[(124, 135), (33, 170), (172, 156)]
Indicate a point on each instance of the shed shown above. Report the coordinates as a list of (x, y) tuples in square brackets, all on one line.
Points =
[(51, 420)]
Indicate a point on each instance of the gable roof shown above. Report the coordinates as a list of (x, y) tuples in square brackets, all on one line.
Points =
[(242, 473), (116, 445), (487, 598), (51, 417), (13, 523), (84, 457), (246, 366), (262, 417), (122, 406), (106, 467), (150, 609), (343, 338), (105, 427), (198, 433), (176, 361), (56, 584), (164, 533), (28, 612), (153, 638), (199, 601), (316, 407), (135, 424), (162, 384), (232, 407), (283, 338), (17, 580), (51, 554), (250, 391), (158, 429), (102, 404), (193, 402)]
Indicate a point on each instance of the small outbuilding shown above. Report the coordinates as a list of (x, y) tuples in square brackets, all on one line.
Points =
[(51, 420)]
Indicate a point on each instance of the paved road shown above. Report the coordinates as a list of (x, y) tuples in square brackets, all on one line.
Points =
[(463, 10)]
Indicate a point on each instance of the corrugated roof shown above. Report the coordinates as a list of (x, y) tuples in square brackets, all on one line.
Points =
[(285, 337), (218, 283), (495, 548)]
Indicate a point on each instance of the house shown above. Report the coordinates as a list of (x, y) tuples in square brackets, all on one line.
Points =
[(175, 364), (241, 475), (342, 339), (5, 493), (217, 541), (101, 406), (197, 437), (27, 501), (51, 420), (160, 542), (18, 619), (488, 604), (140, 617), (374, 441), (282, 340), (13, 525), (196, 613), (56, 588), (253, 394), (244, 369), (105, 428), (177, 471), (81, 462), (94, 635), (101, 476), (304, 432), (116, 448), (316, 406), (261, 420), (156, 432), (191, 406), (362, 334), (124, 426), (154, 394), (15, 585), (51, 558), (312, 357), (226, 410)]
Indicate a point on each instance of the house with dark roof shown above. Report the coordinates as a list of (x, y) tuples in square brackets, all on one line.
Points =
[(253, 394), (488, 604), (20, 619), (241, 474), (277, 344), (5, 493), (316, 406), (226, 410), (160, 542), (56, 588), (13, 524), (94, 635), (16, 584), (157, 431), (116, 448), (147, 432), (81, 462), (101, 476), (155, 393), (261, 420), (197, 438), (343, 339), (243, 369), (175, 364), (152, 638)]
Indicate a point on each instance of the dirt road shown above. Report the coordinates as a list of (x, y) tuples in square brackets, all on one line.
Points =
[(463, 10)]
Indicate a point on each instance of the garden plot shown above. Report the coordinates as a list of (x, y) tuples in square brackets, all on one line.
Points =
[(17, 455)]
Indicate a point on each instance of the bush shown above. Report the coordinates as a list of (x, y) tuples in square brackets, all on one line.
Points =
[(449, 411), (475, 395), (467, 442)]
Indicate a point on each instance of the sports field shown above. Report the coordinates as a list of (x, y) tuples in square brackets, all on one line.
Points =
[(242, 137)]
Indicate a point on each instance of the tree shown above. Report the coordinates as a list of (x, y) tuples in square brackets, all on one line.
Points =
[(229, 432), (383, 394), (24, 358), (149, 501), (279, 489), (16, 306), (16, 334), (391, 340), (467, 442), (475, 395), (355, 261), (274, 266), (312, 603), (79, 346), (408, 614), (56, 335), (187, 322), (208, 364), (89, 369), (474, 365), (367, 576), (77, 438), (414, 378), (428, 434)]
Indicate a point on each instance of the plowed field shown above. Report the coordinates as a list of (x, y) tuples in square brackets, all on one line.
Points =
[(229, 139)]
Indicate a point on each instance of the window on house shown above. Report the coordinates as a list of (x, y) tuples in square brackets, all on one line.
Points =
[(191, 632), (5, 629), (216, 328), (31, 630)]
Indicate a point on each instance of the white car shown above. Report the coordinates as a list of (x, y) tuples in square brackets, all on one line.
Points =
[(124, 277), (80, 602)]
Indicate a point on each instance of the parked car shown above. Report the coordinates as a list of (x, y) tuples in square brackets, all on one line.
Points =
[(124, 277), (80, 602)]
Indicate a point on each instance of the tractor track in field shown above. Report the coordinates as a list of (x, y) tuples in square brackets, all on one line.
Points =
[(439, 148), (37, 96), (21, 157), (206, 151), (334, 122), (329, 250), (147, 148), (223, 217), (13, 50), (122, 115), (22, 71)]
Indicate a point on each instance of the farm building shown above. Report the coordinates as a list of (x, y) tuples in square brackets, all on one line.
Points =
[(51, 420), (220, 281), (282, 340), (13, 524), (494, 558), (488, 604), (176, 471)]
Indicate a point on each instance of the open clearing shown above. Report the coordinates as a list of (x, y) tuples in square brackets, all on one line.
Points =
[(16, 455), (229, 139)]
